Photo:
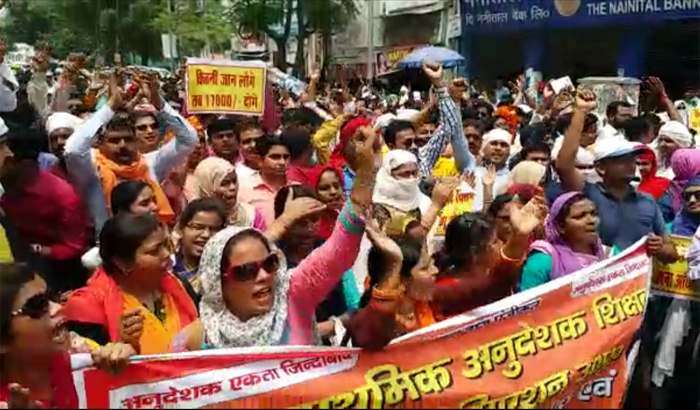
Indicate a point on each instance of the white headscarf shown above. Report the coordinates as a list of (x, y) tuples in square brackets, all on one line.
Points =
[(59, 120), (222, 328), (678, 133), (402, 194)]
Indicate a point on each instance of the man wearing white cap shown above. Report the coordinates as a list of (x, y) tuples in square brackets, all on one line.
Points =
[(60, 126), (496, 151), (673, 135), (626, 215)]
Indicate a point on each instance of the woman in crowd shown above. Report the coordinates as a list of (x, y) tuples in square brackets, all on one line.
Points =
[(201, 219), (303, 237), (685, 164), (216, 178), (397, 189), (34, 343), (475, 267), (328, 184), (651, 183), (499, 214), (249, 297), (688, 219), (133, 196), (402, 277), (133, 296), (571, 242), (476, 271)]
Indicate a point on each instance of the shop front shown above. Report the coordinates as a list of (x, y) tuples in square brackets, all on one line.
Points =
[(632, 38)]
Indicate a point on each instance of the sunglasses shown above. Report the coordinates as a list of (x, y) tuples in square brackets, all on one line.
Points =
[(690, 195), (249, 271), (35, 308)]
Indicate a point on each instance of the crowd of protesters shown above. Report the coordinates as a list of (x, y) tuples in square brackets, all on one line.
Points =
[(129, 227)]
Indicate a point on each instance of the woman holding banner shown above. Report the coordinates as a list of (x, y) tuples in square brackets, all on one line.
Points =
[(571, 242), (134, 296), (250, 298)]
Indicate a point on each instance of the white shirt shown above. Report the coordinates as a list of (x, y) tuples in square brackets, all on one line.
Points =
[(8, 97)]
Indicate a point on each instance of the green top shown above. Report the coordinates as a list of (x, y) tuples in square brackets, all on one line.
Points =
[(537, 271)]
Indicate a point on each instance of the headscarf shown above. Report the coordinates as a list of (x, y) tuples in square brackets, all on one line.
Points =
[(328, 218), (403, 194), (527, 172), (686, 224), (208, 176), (337, 159), (59, 120), (678, 133), (564, 259), (651, 184), (686, 165), (222, 328)]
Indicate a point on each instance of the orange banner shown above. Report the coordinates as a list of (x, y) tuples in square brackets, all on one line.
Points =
[(225, 87), (571, 343)]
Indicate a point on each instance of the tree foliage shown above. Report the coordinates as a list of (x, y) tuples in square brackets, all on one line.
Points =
[(104, 27)]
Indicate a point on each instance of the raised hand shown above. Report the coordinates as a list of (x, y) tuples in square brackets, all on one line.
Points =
[(470, 179), (490, 176), (368, 151), (586, 100), (657, 87), (433, 71), (296, 209), (115, 93), (443, 190), (380, 239), (529, 217)]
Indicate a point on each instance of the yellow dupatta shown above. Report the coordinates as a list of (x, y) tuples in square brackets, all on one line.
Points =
[(157, 336)]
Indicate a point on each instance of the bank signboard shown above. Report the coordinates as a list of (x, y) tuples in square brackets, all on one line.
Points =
[(487, 15)]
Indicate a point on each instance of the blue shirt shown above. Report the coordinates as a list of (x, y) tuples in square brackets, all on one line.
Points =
[(624, 222)]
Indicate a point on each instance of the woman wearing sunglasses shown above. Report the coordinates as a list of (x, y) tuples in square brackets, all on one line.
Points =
[(250, 298), (134, 296), (35, 343)]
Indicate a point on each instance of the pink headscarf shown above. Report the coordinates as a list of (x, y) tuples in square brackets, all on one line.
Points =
[(685, 163)]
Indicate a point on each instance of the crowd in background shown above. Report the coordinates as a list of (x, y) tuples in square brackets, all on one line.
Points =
[(129, 227)]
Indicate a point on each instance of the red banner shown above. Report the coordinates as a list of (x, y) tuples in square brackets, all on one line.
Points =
[(571, 343)]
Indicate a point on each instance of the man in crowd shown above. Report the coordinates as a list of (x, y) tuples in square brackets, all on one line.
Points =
[(118, 157)]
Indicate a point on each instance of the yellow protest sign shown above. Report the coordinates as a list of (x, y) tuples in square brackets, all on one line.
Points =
[(672, 279), (694, 119), (225, 87)]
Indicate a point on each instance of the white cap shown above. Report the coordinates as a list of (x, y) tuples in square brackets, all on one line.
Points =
[(678, 133), (383, 121), (615, 148)]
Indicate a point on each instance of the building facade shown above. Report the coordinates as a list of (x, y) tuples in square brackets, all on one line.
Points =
[(394, 28), (633, 38)]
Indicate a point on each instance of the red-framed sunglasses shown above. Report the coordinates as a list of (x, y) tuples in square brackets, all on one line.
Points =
[(249, 271)]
